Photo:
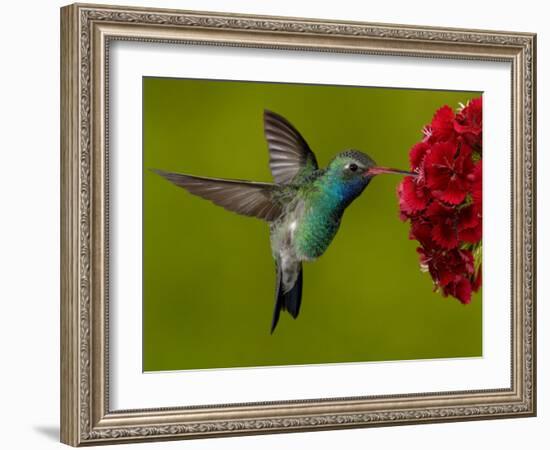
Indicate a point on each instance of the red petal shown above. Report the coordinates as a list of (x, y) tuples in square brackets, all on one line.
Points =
[(470, 118), (467, 259), (468, 217), (417, 154), (455, 193), (469, 124), (445, 235), (442, 154), (412, 197), (474, 108), (463, 162), (439, 163), (465, 150), (445, 278), (463, 291), (442, 124), (438, 211), (467, 128), (422, 232), (472, 235)]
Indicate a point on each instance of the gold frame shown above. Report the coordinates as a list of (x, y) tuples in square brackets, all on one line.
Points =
[(86, 31)]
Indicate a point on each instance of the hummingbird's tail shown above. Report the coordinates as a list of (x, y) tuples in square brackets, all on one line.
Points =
[(289, 300)]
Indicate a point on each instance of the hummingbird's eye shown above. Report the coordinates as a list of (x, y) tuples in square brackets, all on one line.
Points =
[(353, 167)]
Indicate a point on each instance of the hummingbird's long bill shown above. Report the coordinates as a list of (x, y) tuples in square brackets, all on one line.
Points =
[(379, 170)]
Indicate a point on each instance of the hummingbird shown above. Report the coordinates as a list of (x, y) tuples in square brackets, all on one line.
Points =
[(304, 205)]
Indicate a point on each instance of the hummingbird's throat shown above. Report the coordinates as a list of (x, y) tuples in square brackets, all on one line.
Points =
[(379, 170)]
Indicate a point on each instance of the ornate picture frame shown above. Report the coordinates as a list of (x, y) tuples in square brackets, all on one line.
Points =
[(87, 31)]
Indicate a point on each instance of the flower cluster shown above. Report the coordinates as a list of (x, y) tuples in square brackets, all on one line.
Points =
[(443, 202)]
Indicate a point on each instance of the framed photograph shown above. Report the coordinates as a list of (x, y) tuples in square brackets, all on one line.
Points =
[(275, 224)]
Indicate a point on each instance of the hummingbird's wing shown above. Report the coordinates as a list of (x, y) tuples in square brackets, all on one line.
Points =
[(289, 153), (243, 197)]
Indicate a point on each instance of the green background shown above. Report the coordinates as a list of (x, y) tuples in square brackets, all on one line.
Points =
[(208, 274)]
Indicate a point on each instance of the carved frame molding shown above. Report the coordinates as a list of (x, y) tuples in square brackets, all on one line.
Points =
[(86, 32)]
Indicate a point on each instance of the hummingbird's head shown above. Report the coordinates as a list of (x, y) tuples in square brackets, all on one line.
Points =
[(353, 166), (352, 170)]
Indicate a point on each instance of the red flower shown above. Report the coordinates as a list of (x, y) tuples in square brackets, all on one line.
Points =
[(470, 224), (461, 289), (451, 270), (468, 122), (413, 196), (442, 126), (443, 202), (421, 231), (443, 218), (417, 154), (448, 171)]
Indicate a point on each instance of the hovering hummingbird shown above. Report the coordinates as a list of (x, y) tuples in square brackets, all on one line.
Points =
[(304, 206)]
